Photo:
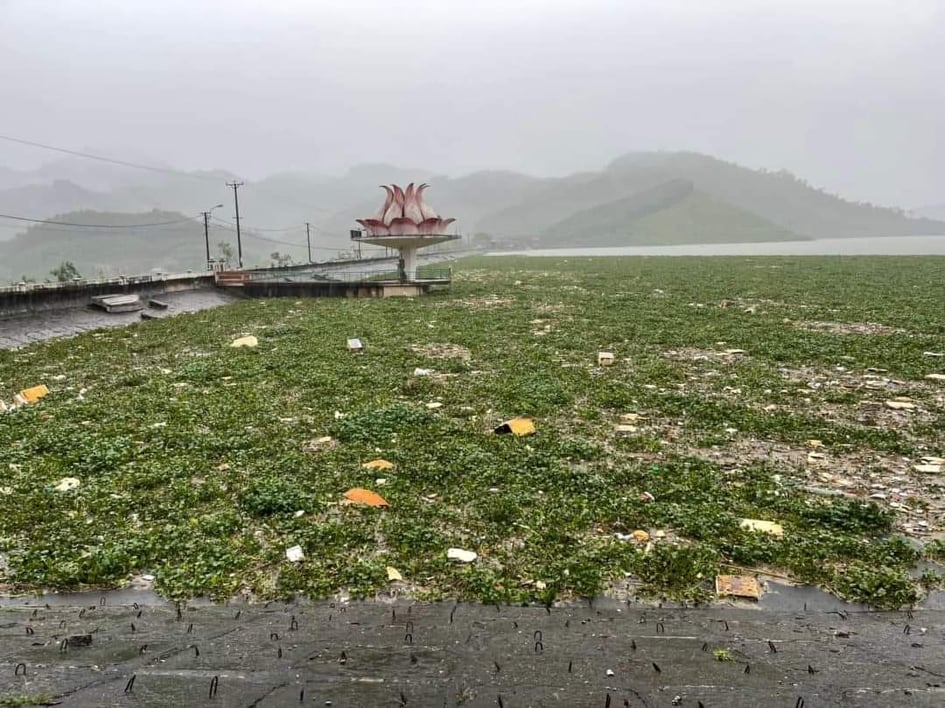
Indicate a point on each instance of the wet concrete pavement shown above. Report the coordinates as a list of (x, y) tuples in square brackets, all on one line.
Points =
[(21, 331), (440, 654)]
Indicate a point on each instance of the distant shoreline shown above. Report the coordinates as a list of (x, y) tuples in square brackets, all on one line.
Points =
[(873, 246)]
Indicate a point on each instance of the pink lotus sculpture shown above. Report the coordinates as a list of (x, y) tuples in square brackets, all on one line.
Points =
[(405, 214)]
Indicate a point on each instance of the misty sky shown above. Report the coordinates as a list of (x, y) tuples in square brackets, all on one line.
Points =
[(848, 94)]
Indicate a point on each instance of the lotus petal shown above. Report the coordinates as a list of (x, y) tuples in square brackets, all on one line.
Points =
[(388, 200), (425, 209), (377, 227), (443, 225), (403, 227), (393, 212), (412, 206), (396, 208), (428, 226)]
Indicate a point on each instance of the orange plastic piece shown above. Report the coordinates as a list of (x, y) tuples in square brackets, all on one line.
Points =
[(365, 497), (35, 393)]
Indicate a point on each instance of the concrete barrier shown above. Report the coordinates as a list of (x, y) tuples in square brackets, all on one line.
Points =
[(28, 299)]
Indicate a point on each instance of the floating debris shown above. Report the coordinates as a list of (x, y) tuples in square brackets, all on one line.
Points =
[(461, 555), (738, 586), (67, 484), (771, 527), (935, 377), (33, 394), (365, 497), (517, 426), (423, 372), (247, 341), (930, 465), (900, 404), (816, 458), (319, 444), (355, 345), (393, 574), (295, 554), (379, 464), (433, 405), (605, 358)]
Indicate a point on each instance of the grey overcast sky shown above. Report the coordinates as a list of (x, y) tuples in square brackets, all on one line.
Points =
[(849, 94)]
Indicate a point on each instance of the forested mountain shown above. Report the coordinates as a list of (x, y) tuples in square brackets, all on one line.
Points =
[(640, 198)]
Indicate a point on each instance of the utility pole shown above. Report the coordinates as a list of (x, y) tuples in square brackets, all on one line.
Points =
[(239, 240), (206, 231), (206, 234), (308, 240)]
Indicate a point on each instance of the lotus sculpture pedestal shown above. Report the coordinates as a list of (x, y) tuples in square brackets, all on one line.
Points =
[(406, 245)]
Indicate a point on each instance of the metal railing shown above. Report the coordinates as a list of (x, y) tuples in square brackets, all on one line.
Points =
[(344, 275), (359, 235)]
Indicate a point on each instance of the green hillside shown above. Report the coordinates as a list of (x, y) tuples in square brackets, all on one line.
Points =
[(667, 215), (780, 197), (560, 198), (738, 204)]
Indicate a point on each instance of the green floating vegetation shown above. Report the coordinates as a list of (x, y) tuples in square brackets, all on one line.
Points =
[(201, 465)]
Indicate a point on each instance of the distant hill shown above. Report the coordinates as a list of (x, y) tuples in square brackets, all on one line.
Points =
[(932, 211), (761, 206), (780, 197), (639, 198), (56, 198), (176, 247), (671, 213)]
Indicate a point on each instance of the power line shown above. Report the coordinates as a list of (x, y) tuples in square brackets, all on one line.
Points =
[(151, 168), (259, 228), (125, 163), (95, 226), (249, 234)]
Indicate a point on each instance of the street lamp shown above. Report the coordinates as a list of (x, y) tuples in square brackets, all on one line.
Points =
[(206, 230)]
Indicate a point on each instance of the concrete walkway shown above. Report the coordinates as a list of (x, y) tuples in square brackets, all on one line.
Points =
[(24, 330), (405, 654)]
